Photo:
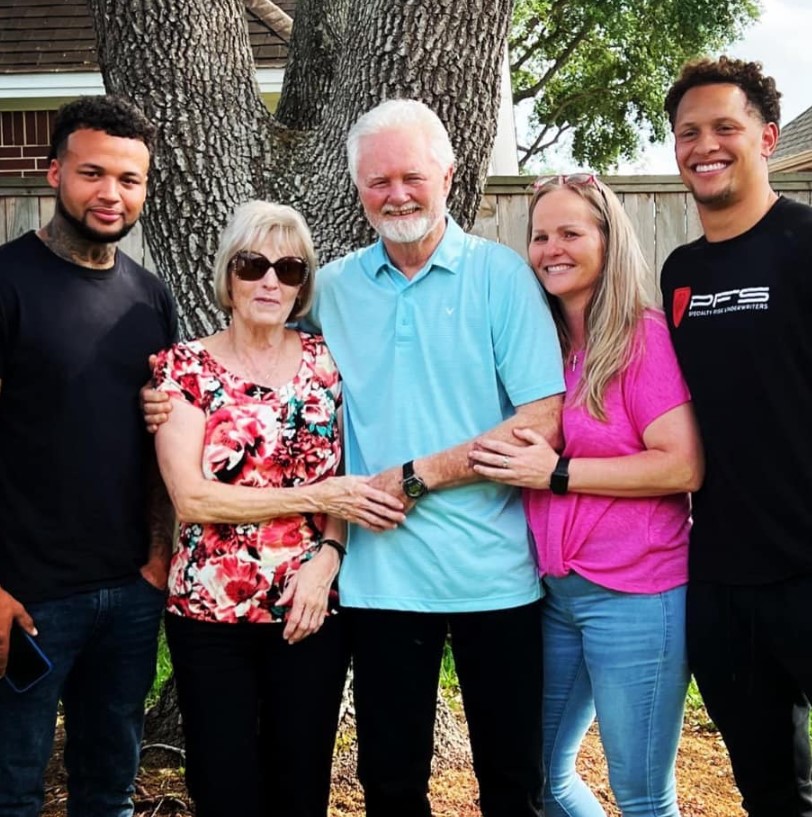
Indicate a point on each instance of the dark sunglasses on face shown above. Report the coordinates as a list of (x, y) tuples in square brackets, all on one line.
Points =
[(252, 266)]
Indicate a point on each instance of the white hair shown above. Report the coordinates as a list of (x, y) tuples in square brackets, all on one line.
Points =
[(400, 114)]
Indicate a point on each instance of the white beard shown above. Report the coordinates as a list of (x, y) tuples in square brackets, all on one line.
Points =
[(406, 230)]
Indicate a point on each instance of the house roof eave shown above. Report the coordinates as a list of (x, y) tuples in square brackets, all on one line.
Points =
[(58, 85), (789, 164)]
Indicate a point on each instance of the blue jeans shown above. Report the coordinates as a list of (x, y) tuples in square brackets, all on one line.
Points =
[(103, 648), (622, 656)]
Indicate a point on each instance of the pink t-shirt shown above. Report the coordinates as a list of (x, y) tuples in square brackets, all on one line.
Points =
[(635, 545)]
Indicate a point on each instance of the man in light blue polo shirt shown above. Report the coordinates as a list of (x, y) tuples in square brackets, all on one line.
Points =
[(440, 337)]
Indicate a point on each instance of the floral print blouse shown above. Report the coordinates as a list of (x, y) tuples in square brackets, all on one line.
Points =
[(259, 437)]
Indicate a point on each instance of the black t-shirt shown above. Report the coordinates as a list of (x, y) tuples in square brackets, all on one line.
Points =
[(740, 316), (74, 348)]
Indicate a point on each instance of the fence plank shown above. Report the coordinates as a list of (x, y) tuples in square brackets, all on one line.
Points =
[(692, 217), (511, 214), (486, 224), (662, 212), (640, 207), (133, 243), (22, 215), (46, 207), (798, 195), (670, 226)]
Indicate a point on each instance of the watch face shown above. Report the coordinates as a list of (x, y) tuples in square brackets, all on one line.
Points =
[(414, 487), (559, 483)]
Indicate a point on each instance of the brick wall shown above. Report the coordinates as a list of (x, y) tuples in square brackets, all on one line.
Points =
[(24, 138)]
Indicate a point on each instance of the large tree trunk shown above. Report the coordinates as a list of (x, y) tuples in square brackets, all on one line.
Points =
[(188, 64)]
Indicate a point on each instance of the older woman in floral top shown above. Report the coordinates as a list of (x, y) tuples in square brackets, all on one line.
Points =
[(249, 456)]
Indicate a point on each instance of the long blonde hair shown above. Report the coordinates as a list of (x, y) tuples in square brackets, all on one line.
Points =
[(619, 299)]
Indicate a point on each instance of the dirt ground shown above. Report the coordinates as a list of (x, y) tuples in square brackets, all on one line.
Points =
[(704, 781)]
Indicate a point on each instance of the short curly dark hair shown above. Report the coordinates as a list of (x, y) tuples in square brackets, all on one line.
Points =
[(760, 90), (112, 114)]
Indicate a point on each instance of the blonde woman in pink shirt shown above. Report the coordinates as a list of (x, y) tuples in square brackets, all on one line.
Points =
[(610, 514)]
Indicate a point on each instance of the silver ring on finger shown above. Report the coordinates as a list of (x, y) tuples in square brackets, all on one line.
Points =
[(505, 462)]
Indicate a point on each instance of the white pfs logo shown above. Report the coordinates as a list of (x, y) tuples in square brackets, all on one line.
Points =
[(749, 295), (696, 305)]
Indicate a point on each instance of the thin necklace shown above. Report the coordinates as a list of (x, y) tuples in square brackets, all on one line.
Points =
[(251, 371)]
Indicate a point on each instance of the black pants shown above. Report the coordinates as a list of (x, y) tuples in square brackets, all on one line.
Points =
[(396, 659), (750, 649), (259, 715)]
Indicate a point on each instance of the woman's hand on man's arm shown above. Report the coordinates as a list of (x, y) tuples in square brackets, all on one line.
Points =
[(179, 444)]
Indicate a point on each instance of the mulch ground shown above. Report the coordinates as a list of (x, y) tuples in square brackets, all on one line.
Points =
[(704, 781)]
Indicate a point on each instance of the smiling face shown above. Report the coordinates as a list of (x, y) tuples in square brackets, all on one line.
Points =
[(101, 183), (401, 185), (722, 145), (566, 247), (266, 302)]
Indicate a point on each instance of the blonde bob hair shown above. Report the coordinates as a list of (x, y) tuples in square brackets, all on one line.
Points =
[(619, 299), (250, 226)]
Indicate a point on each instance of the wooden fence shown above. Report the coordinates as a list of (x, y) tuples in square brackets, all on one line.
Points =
[(660, 208)]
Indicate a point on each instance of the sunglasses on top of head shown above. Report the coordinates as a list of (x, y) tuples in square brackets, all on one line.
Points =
[(252, 266), (575, 179)]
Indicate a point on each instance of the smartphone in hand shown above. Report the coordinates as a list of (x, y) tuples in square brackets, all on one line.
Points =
[(27, 663)]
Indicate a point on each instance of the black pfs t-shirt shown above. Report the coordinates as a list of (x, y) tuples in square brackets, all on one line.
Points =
[(74, 349), (740, 316)]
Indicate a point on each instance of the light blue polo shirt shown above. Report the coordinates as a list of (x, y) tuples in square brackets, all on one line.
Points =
[(427, 364)]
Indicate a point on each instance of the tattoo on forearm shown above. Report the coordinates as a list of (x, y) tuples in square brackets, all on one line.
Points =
[(161, 515)]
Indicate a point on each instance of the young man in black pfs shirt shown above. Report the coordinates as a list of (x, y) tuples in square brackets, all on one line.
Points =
[(739, 307)]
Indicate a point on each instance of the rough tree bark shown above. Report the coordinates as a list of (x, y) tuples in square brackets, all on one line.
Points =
[(188, 64)]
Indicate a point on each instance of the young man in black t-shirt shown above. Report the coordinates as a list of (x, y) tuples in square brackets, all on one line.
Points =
[(85, 526), (739, 307)]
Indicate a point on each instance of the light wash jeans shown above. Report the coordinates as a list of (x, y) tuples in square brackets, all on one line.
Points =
[(622, 656)]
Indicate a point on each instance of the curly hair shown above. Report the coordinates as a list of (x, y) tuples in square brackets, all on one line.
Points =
[(114, 115), (760, 90)]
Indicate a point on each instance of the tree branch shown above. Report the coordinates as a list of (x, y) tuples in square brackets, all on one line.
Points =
[(529, 50), (313, 56), (538, 147), (529, 93), (272, 16)]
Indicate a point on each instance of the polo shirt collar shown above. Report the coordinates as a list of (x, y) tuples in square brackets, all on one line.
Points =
[(447, 256)]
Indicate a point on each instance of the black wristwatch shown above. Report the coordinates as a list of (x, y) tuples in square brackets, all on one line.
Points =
[(560, 478), (412, 485)]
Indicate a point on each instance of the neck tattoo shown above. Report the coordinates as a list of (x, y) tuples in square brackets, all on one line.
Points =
[(63, 241)]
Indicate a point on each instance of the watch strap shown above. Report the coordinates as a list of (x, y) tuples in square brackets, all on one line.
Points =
[(560, 478), (413, 486)]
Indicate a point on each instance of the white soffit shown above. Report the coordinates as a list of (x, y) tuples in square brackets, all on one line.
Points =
[(79, 83)]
